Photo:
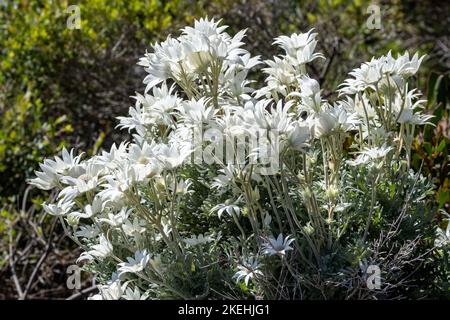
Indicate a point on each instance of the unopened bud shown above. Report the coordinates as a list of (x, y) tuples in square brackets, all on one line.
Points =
[(308, 229), (332, 192)]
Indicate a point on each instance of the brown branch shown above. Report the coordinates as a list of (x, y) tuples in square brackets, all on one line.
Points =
[(82, 293), (39, 263)]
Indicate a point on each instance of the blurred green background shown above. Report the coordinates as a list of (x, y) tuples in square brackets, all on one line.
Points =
[(64, 87)]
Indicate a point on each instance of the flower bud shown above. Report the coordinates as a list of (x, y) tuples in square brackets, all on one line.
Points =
[(308, 229), (307, 194), (332, 192), (255, 194), (72, 220)]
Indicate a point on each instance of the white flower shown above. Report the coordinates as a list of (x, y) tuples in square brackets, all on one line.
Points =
[(377, 153), (136, 119), (380, 70), (370, 154), (96, 297), (279, 118), (369, 73), (225, 179), (442, 236), (309, 94), (52, 170), (161, 62), (229, 207), (87, 177), (65, 164), (278, 246), (185, 58), (309, 88), (248, 269), (60, 209), (208, 42), (116, 220), (112, 158), (331, 119), (91, 210), (196, 111), (182, 187), (88, 232), (113, 290), (125, 176), (345, 119), (102, 250), (198, 240), (134, 294), (47, 178), (272, 117), (155, 109), (361, 107), (143, 159), (199, 96), (204, 27), (407, 111), (299, 48), (299, 136), (156, 264), (322, 124), (365, 77), (136, 264), (133, 228), (141, 155), (171, 156), (235, 77), (281, 75), (406, 67)]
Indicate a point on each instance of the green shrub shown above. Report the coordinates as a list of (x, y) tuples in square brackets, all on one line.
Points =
[(25, 138), (432, 144)]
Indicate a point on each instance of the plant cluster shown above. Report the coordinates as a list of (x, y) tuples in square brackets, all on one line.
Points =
[(323, 193), (56, 89)]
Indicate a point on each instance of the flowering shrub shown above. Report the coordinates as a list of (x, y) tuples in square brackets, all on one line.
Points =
[(233, 190)]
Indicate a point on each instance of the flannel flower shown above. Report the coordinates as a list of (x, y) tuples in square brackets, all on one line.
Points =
[(278, 246), (215, 160)]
